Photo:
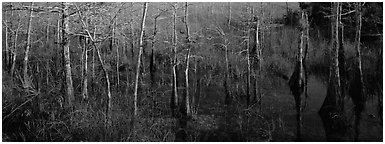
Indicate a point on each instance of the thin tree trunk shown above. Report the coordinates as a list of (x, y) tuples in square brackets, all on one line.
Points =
[(332, 116), (186, 102), (132, 37), (336, 56), (152, 59), (248, 67), (109, 97), (93, 63), (271, 29), (14, 51), (360, 84), (66, 52), (6, 49), (226, 84), (341, 59), (81, 60), (258, 87), (139, 58), (174, 95), (117, 55), (47, 35), (47, 63), (85, 80), (59, 45), (26, 53), (48, 69), (259, 55)]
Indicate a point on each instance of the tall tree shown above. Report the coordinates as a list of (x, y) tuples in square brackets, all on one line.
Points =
[(248, 87), (174, 95), (104, 69), (66, 53), (333, 117), (152, 56), (14, 50), (139, 58), (6, 48), (85, 80), (117, 53), (356, 90), (186, 99), (27, 81), (341, 58)]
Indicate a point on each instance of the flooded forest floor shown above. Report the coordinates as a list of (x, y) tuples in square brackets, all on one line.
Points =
[(276, 121)]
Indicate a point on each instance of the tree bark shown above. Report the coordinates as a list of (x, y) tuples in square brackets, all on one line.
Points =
[(14, 51), (248, 88), (66, 52), (186, 101), (93, 62), (47, 35), (26, 79), (132, 39), (174, 95), (139, 58), (59, 45), (336, 62), (341, 58), (227, 78), (257, 87), (85, 80), (117, 54), (48, 69)]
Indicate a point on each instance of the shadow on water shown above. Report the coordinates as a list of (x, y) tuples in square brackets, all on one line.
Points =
[(215, 124), (335, 127)]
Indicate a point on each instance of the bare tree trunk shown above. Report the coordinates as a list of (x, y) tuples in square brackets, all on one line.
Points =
[(47, 35), (297, 79), (174, 95), (257, 86), (26, 79), (47, 63), (139, 58), (6, 49), (66, 52), (186, 102), (82, 59), (341, 59), (93, 62), (59, 45), (85, 81), (117, 54), (248, 66), (14, 51), (332, 116), (357, 89), (132, 37), (152, 59), (336, 56), (109, 97), (226, 84)]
